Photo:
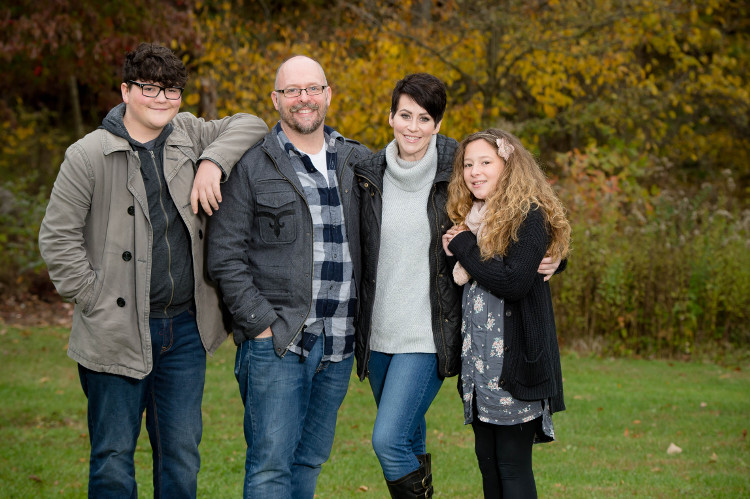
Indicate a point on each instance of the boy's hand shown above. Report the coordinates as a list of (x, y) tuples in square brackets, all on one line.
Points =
[(206, 187)]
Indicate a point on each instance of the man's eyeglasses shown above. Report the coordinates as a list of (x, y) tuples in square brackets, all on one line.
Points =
[(296, 92), (151, 90)]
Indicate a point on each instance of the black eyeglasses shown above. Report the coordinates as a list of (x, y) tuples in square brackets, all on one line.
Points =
[(151, 90), (296, 92)]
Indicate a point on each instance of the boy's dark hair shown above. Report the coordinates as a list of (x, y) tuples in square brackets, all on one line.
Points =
[(154, 64), (428, 91)]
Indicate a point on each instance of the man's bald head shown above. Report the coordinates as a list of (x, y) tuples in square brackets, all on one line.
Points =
[(298, 64)]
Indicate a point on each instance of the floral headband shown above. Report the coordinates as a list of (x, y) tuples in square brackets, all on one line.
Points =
[(504, 148)]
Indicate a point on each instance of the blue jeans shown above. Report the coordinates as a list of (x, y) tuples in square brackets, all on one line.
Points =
[(171, 395), (290, 417), (404, 386)]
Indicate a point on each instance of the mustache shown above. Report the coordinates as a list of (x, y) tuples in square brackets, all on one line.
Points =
[(308, 105)]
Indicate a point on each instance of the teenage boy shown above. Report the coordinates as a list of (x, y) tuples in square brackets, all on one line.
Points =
[(124, 239)]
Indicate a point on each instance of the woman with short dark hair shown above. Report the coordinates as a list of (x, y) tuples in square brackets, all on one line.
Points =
[(408, 329)]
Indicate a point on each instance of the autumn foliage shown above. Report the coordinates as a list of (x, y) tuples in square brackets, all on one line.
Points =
[(638, 109)]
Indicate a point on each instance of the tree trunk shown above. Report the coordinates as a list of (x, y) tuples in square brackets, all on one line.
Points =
[(75, 105), (207, 105), (422, 10)]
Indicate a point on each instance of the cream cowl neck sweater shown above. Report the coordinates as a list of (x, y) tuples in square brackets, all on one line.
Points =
[(401, 316)]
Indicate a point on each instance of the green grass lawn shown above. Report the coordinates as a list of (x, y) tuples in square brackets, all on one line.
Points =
[(612, 441)]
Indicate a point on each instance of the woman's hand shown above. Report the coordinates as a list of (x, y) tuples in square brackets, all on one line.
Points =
[(448, 237), (547, 267)]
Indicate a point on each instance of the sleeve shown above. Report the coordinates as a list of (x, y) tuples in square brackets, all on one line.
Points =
[(61, 237), (225, 140), (228, 261), (512, 276)]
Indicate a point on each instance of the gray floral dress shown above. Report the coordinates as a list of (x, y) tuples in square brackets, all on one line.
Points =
[(482, 363)]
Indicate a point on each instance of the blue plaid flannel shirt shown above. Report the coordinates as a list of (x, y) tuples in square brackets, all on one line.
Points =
[(334, 293)]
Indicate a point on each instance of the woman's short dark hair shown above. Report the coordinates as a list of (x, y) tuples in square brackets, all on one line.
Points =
[(428, 91), (154, 64)]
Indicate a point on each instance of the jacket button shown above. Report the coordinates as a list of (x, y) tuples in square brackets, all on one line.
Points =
[(200, 233), (507, 313), (366, 185), (120, 302), (131, 210), (502, 382), (127, 255), (252, 316), (506, 348)]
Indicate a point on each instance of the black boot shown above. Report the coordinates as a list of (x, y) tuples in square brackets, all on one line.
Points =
[(426, 461), (415, 485)]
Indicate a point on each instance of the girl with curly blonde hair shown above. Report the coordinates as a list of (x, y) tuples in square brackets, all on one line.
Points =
[(507, 218)]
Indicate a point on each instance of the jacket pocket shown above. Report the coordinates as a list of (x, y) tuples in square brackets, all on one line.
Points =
[(276, 217), (88, 299), (533, 372)]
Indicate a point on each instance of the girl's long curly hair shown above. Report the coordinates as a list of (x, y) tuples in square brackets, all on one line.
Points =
[(522, 186)]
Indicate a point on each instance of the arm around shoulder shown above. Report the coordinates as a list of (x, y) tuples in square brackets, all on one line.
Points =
[(225, 140)]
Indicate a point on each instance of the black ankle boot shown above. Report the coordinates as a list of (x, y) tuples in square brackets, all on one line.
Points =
[(415, 485)]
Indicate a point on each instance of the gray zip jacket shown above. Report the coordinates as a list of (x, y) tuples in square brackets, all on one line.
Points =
[(96, 238), (264, 265)]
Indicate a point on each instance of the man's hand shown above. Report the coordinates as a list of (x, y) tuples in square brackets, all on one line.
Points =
[(266, 333), (206, 187), (548, 267)]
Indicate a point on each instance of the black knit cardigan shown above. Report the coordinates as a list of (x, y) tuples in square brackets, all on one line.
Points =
[(531, 369)]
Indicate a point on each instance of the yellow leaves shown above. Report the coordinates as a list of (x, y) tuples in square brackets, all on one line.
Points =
[(192, 99)]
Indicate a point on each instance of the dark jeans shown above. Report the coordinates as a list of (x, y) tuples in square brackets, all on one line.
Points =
[(171, 395), (504, 456)]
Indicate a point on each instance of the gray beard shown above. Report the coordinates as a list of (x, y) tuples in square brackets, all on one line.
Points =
[(288, 119)]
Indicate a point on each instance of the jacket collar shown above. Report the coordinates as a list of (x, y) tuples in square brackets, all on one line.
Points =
[(271, 145)]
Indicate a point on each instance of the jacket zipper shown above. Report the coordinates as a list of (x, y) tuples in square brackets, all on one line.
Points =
[(366, 371), (166, 232), (441, 330)]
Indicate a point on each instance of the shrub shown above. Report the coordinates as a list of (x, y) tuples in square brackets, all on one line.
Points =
[(651, 273)]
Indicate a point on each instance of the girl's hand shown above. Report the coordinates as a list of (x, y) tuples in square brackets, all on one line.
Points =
[(548, 267), (448, 237)]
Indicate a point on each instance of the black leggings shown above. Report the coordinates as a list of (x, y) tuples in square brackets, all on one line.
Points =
[(504, 455)]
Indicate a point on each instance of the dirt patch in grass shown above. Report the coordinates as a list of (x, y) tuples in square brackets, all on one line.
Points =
[(30, 310)]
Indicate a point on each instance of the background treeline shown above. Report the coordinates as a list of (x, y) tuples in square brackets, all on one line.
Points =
[(638, 109)]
